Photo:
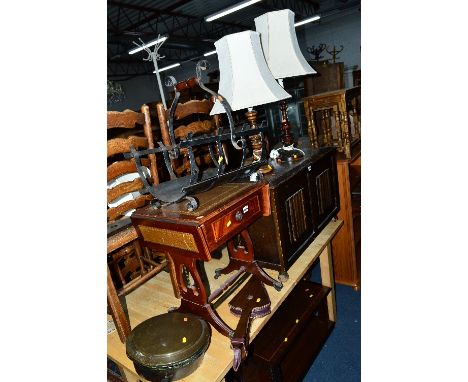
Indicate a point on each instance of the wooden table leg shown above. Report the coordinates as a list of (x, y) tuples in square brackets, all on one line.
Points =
[(326, 270), (239, 257), (194, 298), (207, 313)]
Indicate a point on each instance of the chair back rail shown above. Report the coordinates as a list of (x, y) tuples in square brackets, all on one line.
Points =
[(206, 124)]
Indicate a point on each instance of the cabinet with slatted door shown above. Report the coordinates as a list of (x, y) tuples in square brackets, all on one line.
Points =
[(304, 198)]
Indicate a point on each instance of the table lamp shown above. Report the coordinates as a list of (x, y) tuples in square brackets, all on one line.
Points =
[(284, 59), (245, 80)]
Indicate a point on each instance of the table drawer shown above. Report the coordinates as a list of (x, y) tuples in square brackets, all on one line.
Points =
[(233, 220)]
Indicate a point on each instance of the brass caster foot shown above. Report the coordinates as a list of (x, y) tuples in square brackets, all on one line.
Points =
[(283, 276), (218, 273), (278, 285)]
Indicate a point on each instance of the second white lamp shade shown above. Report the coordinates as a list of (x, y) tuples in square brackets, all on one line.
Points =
[(280, 46), (245, 80)]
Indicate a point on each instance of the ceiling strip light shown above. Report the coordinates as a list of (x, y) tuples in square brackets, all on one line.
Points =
[(309, 20), (168, 67), (209, 53), (154, 42), (229, 10)]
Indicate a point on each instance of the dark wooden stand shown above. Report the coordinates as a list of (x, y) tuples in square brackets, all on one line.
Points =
[(188, 237)]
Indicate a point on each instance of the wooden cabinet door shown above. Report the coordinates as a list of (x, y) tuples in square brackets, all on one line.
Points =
[(323, 191), (295, 224)]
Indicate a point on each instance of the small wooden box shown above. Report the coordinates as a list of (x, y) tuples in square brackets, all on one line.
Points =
[(328, 77)]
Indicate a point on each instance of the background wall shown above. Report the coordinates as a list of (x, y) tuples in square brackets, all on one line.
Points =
[(344, 29), (144, 89), (335, 30), (138, 90)]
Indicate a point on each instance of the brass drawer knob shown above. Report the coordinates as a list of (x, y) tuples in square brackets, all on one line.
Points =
[(239, 215)]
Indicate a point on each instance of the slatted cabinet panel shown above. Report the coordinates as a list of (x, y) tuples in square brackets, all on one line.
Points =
[(323, 192), (295, 224)]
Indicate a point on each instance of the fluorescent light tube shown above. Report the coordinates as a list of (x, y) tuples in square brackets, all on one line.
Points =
[(309, 20), (229, 10), (209, 53), (168, 67), (154, 42)]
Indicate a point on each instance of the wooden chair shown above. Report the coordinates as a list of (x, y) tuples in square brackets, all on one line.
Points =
[(128, 266), (190, 117)]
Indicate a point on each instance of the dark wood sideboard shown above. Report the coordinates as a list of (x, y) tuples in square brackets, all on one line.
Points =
[(303, 198)]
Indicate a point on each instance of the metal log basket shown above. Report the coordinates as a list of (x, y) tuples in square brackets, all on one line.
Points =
[(178, 189)]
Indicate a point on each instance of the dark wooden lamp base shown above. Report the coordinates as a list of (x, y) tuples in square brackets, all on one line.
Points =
[(290, 153)]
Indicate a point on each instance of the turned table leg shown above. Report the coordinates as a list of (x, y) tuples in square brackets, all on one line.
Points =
[(243, 256)]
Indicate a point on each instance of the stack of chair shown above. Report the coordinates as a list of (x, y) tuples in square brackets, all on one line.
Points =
[(128, 266)]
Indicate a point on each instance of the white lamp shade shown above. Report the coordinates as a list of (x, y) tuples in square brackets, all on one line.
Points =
[(245, 80), (280, 46)]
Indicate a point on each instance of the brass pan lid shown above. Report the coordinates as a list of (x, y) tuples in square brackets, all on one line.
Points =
[(168, 340)]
